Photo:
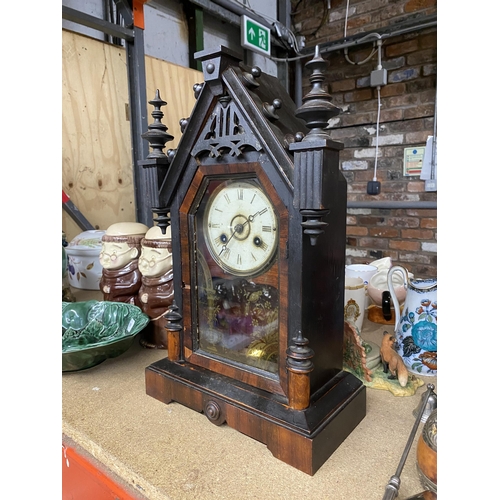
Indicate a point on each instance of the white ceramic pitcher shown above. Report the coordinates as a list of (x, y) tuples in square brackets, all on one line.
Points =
[(416, 327)]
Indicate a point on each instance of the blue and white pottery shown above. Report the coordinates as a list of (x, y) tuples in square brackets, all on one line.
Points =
[(416, 326)]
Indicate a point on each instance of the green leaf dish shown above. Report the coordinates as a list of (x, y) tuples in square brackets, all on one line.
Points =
[(93, 331)]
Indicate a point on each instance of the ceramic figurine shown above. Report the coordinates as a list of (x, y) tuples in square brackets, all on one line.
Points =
[(392, 361), (119, 258), (157, 290), (355, 352)]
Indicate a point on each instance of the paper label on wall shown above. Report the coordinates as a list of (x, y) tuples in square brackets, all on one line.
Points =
[(413, 158)]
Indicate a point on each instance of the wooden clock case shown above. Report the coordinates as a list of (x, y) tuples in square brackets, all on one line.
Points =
[(245, 126)]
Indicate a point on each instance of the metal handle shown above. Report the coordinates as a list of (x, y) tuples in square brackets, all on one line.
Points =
[(395, 301), (386, 305), (392, 488)]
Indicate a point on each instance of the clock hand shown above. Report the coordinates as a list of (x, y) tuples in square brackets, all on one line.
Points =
[(238, 229), (252, 217)]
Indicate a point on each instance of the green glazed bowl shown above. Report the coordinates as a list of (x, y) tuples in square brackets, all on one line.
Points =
[(94, 331)]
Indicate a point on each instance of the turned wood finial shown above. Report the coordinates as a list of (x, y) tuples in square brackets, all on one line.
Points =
[(317, 108), (299, 365), (157, 134), (162, 218), (299, 355), (313, 155), (173, 327)]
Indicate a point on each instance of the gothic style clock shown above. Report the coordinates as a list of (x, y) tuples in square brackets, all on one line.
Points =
[(257, 208)]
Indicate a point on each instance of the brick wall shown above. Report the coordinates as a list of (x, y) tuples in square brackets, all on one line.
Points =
[(408, 236)]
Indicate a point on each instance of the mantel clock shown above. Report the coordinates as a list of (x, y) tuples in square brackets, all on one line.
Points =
[(257, 208)]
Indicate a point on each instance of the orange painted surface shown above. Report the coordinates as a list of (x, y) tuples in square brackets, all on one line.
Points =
[(138, 9), (82, 481)]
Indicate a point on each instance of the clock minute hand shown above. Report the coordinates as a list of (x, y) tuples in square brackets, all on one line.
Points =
[(237, 229), (224, 247), (252, 217)]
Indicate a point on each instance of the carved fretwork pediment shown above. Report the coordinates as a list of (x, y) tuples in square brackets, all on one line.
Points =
[(225, 132)]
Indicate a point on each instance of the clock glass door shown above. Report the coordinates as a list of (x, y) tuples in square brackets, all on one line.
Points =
[(237, 238)]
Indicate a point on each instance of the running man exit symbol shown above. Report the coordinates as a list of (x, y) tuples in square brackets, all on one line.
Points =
[(254, 36)]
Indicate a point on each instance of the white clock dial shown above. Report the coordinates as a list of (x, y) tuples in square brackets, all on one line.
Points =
[(241, 228)]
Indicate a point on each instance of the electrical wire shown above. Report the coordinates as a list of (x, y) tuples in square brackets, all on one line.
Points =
[(297, 49), (377, 47), (376, 139), (434, 141), (379, 105), (346, 15), (346, 55), (326, 51), (322, 22), (346, 50), (376, 43), (292, 40), (289, 59)]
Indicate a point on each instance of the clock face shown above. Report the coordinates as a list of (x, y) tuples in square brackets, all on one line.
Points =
[(240, 228)]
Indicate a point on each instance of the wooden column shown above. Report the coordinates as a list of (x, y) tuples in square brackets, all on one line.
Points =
[(299, 365), (173, 327)]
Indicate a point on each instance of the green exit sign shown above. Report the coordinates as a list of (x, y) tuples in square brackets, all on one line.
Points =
[(254, 36)]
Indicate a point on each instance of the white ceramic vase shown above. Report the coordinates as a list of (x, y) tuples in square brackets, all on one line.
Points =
[(363, 271), (84, 268), (354, 301)]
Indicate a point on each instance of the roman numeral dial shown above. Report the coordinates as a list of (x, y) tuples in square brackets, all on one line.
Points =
[(241, 228)]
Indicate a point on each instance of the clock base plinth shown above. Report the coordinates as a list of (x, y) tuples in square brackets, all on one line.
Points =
[(304, 439)]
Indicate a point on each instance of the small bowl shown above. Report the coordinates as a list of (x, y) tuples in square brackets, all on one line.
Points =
[(93, 331), (378, 284)]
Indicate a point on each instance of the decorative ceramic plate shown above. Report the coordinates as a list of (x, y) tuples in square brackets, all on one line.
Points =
[(94, 331)]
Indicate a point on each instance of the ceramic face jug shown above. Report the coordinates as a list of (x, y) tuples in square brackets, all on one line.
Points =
[(416, 327)]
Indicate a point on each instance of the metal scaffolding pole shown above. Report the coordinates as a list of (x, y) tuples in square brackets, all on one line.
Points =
[(145, 181), (432, 205)]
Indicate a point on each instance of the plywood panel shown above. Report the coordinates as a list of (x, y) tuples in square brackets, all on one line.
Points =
[(175, 84), (96, 145), (96, 148)]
